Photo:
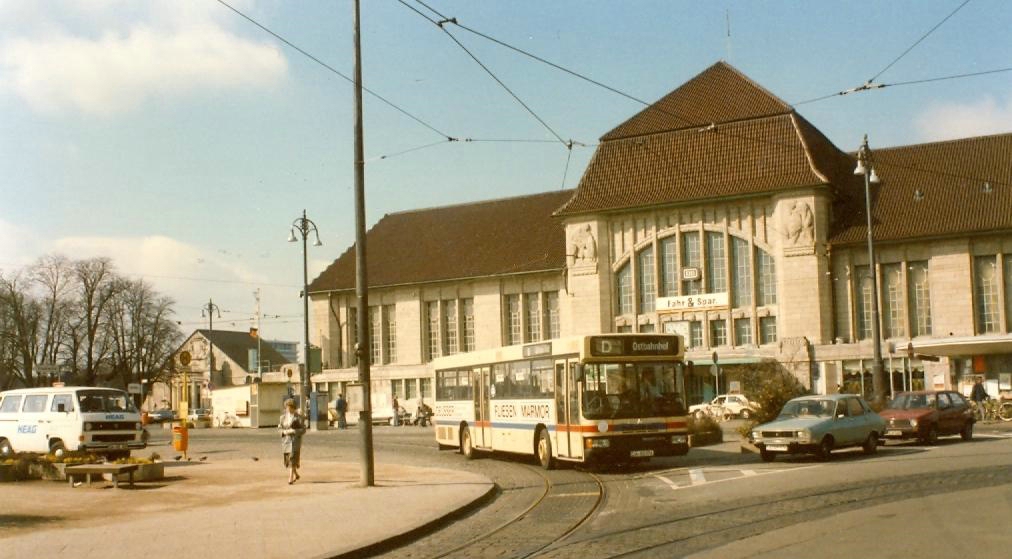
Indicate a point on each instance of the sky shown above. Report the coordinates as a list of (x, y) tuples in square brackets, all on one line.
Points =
[(182, 140)]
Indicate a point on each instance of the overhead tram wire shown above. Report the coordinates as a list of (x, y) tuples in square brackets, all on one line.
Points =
[(925, 36), (871, 86)]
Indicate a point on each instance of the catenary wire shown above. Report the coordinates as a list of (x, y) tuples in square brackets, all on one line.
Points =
[(925, 36), (869, 86)]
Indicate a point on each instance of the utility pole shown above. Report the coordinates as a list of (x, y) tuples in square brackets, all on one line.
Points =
[(361, 291), (259, 360), (211, 308)]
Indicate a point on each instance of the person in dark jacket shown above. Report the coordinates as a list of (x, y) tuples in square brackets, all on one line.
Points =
[(291, 427), (979, 396)]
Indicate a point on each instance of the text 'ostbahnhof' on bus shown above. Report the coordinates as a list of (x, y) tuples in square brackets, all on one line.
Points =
[(718, 213)]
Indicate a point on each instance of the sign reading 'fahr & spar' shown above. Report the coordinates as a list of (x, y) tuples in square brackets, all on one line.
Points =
[(692, 302)]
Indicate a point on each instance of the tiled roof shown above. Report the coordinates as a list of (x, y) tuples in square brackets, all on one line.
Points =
[(950, 175), (733, 159), (497, 237), (237, 345), (718, 94)]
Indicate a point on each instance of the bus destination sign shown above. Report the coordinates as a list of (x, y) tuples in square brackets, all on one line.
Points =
[(601, 346)]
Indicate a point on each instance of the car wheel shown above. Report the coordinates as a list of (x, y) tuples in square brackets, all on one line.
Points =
[(57, 448), (825, 449), (466, 447), (699, 414), (544, 450), (870, 444), (931, 437), (967, 432), (5, 448), (767, 456), (745, 414), (727, 416)]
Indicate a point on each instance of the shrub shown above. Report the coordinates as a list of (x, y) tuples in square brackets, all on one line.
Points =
[(768, 385)]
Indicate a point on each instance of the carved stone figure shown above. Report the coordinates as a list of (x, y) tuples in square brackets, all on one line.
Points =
[(800, 224), (582, 247)]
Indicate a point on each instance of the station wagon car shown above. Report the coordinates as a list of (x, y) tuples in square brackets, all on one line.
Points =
[(818, 425)]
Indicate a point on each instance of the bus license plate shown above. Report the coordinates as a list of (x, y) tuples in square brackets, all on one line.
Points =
[(779, 447), (641, 453)]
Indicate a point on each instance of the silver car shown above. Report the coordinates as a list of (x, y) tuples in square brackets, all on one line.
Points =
[(818, 425)]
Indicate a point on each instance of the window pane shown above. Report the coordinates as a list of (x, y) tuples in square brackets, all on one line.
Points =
[(691, 259), (862, 301), (1008, 290), (742, 331), (892, 301), (513, 333), (768, 329), (624, 290), (450, 326), (532, 305), (766, 270), (552, 314), (716, 263), (985, 293), (645, 273), (669, 267), (426, 388), (742, 272), (468, 307), (432, 312), (695, 333), (390, 332), (375, 337), (718, 332), (410, 389)]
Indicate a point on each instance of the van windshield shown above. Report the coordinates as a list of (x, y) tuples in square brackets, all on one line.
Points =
[(92, 401)]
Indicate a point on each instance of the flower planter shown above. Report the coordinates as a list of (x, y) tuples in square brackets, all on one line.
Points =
[(8, 472), (144, 472)]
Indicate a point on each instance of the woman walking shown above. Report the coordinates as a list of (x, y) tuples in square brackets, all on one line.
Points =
[(292, 428)]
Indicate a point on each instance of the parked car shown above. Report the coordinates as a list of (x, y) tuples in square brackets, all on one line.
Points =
[(161, 416), (928, 414), (726, 406), (199, 417), (818, 425)]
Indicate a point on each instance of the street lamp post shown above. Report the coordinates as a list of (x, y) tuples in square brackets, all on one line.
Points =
[(305, 226), (864, 167)]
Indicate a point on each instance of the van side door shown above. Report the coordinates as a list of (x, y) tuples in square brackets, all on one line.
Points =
[(66, 424), (33, 424)]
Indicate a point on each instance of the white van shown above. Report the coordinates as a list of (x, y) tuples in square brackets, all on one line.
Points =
[(100, 420)]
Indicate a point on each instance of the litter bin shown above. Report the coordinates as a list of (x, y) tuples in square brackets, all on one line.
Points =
[(180, 437)]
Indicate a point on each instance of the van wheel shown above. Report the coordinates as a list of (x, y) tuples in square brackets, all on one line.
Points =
[(57, 448), (5, 448)]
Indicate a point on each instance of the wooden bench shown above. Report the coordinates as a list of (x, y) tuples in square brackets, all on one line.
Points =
[(88, 470)]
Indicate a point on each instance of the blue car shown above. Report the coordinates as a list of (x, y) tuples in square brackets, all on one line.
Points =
[(819, 425)]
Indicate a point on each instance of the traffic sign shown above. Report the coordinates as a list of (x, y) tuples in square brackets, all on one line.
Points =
[(134, 388)]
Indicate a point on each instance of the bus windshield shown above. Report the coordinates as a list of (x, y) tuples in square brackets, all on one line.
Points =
[(628, 390), (92, 401)]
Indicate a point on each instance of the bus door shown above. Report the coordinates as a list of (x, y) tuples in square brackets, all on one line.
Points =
[(483, 434), (573, 388), (567, 431)]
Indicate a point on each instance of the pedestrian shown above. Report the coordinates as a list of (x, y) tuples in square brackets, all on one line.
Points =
[(397, 412), (291, 427), (342, 410), (979, 396)]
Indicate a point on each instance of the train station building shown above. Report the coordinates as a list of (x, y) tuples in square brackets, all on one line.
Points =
[(721, 214)]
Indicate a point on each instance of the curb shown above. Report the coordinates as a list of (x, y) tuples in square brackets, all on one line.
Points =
[(394, 542)]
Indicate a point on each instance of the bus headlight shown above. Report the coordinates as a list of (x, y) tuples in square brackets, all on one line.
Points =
[(804, 436), (598, 443), (679, 439)]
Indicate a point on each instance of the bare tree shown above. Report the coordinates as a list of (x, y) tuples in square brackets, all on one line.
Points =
[(143, 334), (19, 336), (88, 341)]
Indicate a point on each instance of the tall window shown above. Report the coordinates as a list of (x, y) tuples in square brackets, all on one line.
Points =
[(742, 331), (862, 301), (645, 273), (1008, 290), (450, 327), (892, 302), (985, 293), (410, 388), (766, 288), (742, 273), (352, 334), (624, 290), (691, 259), (390, 332), (513, 332), (375, 337), (919, 299), (768, 329), (669, 267), (532, 304), (696, 333), (426, 388), (718, 332), (397, 388), (432, 313), (468, 307), (552, 314), (716, 263)]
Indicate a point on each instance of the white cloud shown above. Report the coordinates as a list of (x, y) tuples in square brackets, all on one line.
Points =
[(124, 55), (961, 120), (17, 245)]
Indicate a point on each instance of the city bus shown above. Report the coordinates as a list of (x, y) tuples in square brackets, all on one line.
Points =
[(613, 398)]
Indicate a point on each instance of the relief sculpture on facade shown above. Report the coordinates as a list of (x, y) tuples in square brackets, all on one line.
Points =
[(582, 249), (799, 229)]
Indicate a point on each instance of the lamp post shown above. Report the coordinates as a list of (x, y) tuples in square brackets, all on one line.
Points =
[(864, 167), (305, 226)]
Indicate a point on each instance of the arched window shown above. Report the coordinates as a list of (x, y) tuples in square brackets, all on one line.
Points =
[(623, 289), (645, 276)]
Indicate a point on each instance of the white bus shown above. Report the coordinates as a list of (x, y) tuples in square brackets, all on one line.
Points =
[(593, 399), (100, 420)]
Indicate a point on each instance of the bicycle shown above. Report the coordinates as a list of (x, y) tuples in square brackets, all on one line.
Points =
[(993, 410), (1003, 410)]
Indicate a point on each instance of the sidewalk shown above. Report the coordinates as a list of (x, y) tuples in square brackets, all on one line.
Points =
[(232, 508)]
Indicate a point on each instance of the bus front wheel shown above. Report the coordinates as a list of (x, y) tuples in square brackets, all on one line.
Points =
[(544, 450), (466, 448)]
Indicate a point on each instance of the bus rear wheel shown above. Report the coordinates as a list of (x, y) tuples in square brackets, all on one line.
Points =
[(544, 450), (466, 447)]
